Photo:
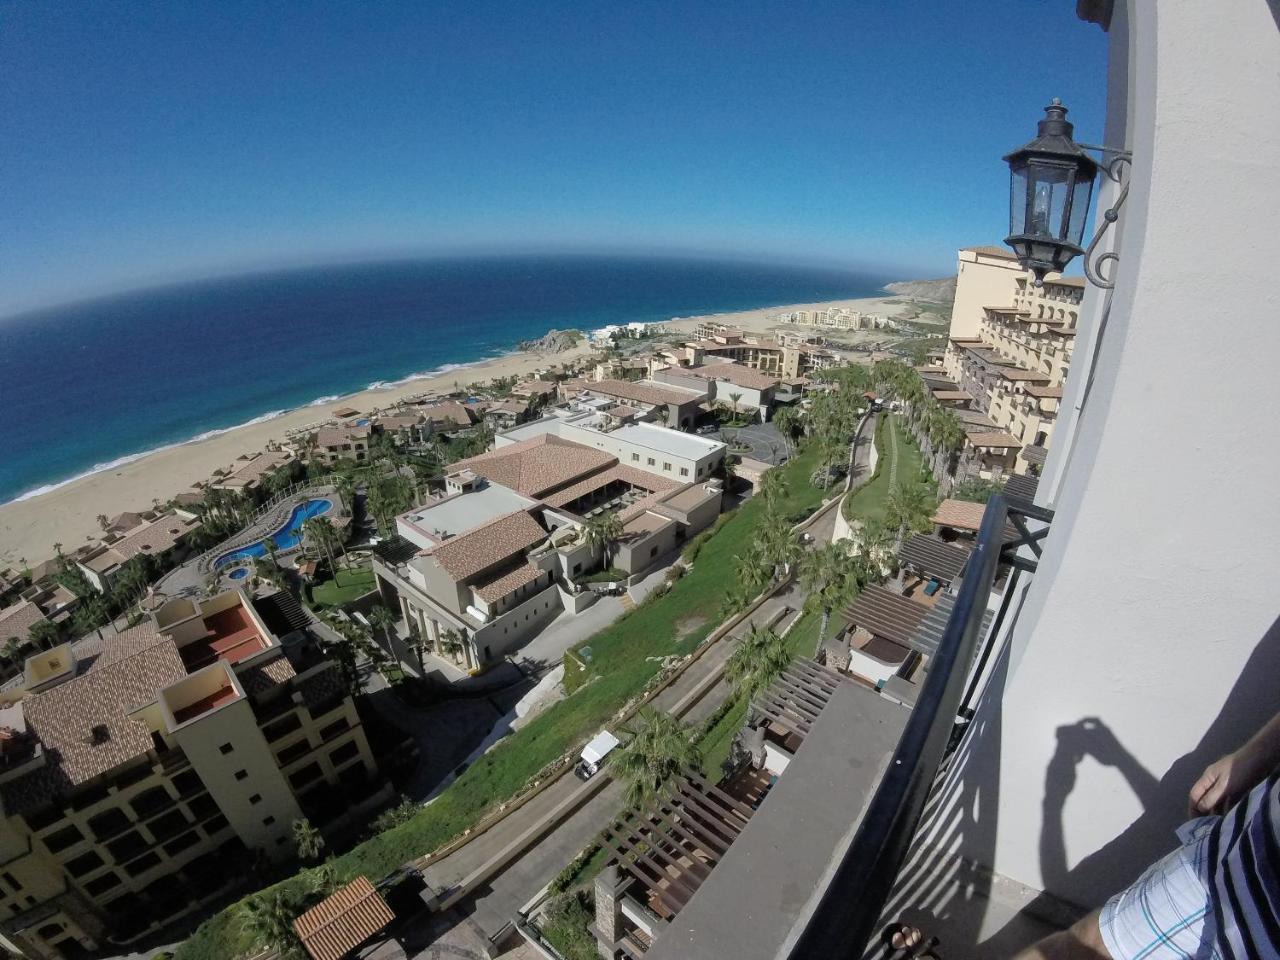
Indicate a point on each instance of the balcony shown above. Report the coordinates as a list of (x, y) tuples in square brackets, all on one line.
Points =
[(815, 865)]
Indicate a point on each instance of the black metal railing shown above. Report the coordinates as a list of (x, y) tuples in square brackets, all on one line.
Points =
[(846, 918)]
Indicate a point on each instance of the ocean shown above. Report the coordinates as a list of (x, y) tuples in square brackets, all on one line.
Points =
[(93, 384)]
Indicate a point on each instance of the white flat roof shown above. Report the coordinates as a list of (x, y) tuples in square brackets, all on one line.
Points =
[(462, 512), (688, 445)]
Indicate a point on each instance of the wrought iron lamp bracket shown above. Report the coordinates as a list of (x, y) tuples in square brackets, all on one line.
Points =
[(1116, 164)]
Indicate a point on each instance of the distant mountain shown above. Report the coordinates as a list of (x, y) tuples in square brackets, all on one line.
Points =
[(936, 291)]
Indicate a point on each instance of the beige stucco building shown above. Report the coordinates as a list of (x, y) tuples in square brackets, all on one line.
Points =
[(141, 773), (1009, 352)]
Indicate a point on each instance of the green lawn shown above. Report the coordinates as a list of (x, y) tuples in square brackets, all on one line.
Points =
[(625, 656), (868, 501), (347, 586)]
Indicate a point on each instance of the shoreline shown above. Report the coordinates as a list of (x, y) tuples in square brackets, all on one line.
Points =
[(65, 512)]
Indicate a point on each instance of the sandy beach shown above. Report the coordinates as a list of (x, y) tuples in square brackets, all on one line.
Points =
[(68, 514)]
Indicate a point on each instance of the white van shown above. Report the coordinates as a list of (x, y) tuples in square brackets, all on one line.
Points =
[(593, 754)]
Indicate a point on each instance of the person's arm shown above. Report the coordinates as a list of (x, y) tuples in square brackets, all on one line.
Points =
[(1227, 780)]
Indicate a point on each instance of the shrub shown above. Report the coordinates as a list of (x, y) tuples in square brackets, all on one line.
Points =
[(675, 572)]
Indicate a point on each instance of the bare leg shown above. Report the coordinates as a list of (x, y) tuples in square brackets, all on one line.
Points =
[(1083, 941)]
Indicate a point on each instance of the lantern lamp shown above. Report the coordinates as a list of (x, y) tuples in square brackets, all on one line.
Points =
[(1050, 184)]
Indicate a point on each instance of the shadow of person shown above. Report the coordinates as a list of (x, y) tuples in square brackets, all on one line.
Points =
[(1252, 701)]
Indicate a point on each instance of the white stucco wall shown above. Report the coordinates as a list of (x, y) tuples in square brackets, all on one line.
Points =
[(1153, 610)]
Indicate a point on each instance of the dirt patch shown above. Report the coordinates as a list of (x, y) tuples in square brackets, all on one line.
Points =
[(687, 625)]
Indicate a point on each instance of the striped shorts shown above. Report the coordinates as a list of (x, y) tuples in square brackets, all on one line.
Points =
[(1162, 915)]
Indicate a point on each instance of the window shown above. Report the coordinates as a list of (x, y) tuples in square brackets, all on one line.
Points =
[(651, 461), (242, 774), (100, 885), (310, 772), (127, 847), (344, 753), (169, 825), (188, 782), (12, 881), (256, 798), (268, 821), (281, 727), (226, 748), (63, 839), (108, 823), (142, 864), (85, 863), (150, 802), (684, 471), (188, 839), (635, 456), (202, 807), (337, 728), (215, 824), (50, 930), (653, 551), (293, 752)]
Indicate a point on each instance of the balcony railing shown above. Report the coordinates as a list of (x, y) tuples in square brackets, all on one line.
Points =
[(847, 916)]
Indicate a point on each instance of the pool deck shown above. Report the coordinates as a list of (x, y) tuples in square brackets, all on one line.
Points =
[(190, 578)]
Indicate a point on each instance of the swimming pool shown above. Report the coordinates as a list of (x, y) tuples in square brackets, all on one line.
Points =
[(286, 538), (239, 573)]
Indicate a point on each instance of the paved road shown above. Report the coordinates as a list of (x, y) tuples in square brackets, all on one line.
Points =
[(494, 904)]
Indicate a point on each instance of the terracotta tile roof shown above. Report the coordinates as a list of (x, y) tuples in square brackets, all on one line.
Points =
[(333, 436), (951, 395), (399, 421), (621, 410), (448, 411), (496, 586), (488, 544), (123, 522), (339, 923), (641, 392), (1077, 282), (630, 475), (534, 466), (345, 412), (64, 717), (252, 469), (993, 438), (1019, 373), (738, 375), (535, 388), (514, 405), (263, 676), (16, 621), (1037, 390), (321, 686), (155, 537), (114, 647), (960, 514)]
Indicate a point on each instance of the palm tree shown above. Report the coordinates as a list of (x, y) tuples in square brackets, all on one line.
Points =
[(772, 485), (268, 919), (659, 749), (785, 421), (825, 576), (778, 542), (346, 489), (308, 840), (757, 660), (908, 507), (603, 531), (733, 399), (103, 522), (321, 533), (383, 620), (272, 548)]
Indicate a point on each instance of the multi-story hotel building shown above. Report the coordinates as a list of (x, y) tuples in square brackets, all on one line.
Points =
[(143, 772), (1009, 351)]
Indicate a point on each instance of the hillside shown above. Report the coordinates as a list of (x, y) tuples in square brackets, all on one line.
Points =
[(936, 291)]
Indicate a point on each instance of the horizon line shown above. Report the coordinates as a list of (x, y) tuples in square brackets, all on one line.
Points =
[(292, 265)]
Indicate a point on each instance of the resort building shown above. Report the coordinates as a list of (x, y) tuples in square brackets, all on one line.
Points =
[(142, 772), (1007, 357), (446, 415), (247, 473), (403, 427), (164, 538), (1073, 702), (835, 318), (677, 406), (507, 413), (347, 442), (479, 571), (726, 382), (759, 352)]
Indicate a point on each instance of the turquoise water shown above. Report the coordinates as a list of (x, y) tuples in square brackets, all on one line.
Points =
[(239, 573), (195, 359), (287, 537)]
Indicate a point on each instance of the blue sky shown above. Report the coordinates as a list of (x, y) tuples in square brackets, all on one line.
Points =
[(144, 142)]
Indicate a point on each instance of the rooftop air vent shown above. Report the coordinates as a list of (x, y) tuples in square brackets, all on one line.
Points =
[(99, 734)]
